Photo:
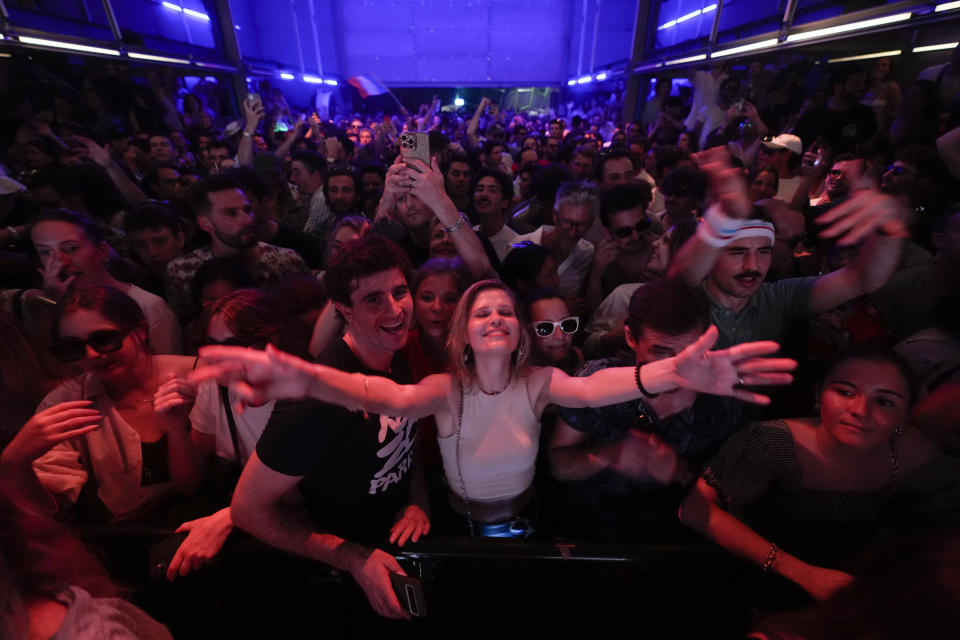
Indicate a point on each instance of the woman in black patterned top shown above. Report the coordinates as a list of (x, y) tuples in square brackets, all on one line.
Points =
[(823, 487)]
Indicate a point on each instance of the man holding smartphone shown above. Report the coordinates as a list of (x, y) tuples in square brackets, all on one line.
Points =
[(358, 474)]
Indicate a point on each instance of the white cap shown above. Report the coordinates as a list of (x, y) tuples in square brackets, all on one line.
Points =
[(785, 141)]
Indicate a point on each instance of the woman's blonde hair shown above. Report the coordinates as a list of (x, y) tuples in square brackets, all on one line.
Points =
[(459, 353)]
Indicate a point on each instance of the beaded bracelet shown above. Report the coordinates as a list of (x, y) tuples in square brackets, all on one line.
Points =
[(636, 376), (772, 557)]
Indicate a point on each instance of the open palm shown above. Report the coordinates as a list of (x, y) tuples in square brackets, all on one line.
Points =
[(256, 376), (728, 371)]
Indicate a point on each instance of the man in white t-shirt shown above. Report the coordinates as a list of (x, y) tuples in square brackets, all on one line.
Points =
[(492, 195), (782, 154), (573, 213)]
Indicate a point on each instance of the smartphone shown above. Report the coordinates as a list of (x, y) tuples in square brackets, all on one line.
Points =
[(410, 594), (161, 554), (738, 104), (817, 148), (253, 98), (415, 144)]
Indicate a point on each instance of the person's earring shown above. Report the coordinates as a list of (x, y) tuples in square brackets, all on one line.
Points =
[(466, 353), (520, 351)]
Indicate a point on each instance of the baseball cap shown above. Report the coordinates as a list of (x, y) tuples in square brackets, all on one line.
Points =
[(785, 141), (232, 128)]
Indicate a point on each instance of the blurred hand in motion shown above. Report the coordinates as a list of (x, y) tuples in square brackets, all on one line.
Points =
[(728, 187)]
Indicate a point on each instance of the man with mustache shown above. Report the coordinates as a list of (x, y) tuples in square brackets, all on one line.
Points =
[(224, 212), (731, 251)]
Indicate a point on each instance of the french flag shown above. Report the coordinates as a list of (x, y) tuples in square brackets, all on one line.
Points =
[(367, 86)]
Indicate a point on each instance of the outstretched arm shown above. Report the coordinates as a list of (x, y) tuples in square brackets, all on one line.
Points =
[(701, 511), (475, 122), (258, 376), (722, 373)]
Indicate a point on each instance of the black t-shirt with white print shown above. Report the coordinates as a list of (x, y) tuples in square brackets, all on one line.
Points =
[(355, 467)]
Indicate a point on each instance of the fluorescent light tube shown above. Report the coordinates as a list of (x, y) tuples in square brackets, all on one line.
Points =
[(850, 26), (56, 44), (763, 44), (147, 56), (702, 56), (867, 56), (935, 47)]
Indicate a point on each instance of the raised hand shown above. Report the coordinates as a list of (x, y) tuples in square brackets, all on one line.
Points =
[(95, 152), (333, 147), (426, 182), (301, 126), (727, 184), (49, 427), (863, 213), (607, 252), (56, 280), (728, 371), (254, 112), (174, 399), (397, 184)]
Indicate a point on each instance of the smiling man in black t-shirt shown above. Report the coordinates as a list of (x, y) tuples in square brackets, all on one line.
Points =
[(356, 472)]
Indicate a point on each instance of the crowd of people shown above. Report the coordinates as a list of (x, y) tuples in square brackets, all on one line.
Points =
[(740, 307)]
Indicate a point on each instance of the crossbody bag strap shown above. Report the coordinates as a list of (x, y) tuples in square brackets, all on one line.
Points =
[(463, 485), (225, 400)]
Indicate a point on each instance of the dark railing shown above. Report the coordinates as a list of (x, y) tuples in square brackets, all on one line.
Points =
[(475, 588)]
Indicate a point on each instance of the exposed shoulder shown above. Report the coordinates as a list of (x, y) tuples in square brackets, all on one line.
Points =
[(538, 377), (802, 430)]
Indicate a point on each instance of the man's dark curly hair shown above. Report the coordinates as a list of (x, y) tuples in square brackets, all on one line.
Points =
[(361, 258)]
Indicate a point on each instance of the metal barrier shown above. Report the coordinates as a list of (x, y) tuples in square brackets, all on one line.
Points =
[(499, 588)]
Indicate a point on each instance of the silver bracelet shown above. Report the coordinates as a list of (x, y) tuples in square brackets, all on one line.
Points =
[(456, 227)]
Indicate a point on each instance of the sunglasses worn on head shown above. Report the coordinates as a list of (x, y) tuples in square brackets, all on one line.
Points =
[(626, 232), (545, 328), (103, 341)]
